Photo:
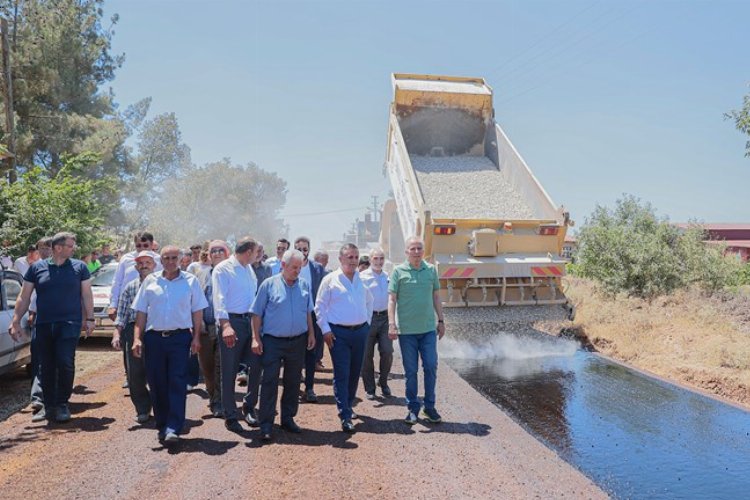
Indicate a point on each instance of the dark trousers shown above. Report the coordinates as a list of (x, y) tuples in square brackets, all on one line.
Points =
[(347, 354), (291, 353), (56, 347), (194, 369), (378, 335), (210, 364), (36, 384), (254, 376), (136, 372), (230, 363), (166, 361), (312, 357)]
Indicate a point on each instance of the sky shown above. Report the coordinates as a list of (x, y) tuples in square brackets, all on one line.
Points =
[(601, 98)]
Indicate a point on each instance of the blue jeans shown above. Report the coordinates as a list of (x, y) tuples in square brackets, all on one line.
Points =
[(166, 360), (347, 354), (412, 347), (56, 350)]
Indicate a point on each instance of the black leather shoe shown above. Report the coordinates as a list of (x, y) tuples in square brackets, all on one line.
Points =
[(347, 426), (233, 425), (291, 426), (266, 436)]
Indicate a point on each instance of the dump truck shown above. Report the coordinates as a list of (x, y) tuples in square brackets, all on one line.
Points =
[(493, 233)]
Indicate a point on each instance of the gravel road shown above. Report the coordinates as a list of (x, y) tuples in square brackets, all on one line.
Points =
[(477, 452)]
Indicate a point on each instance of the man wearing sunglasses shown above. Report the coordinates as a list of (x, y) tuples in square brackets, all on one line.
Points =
[(126, 271), (313, 274), (282, 245)]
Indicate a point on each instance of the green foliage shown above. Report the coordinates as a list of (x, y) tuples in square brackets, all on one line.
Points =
[(60, 57), (220, 200), (741, 118), (743, 276), (40, 205), (631, 250)]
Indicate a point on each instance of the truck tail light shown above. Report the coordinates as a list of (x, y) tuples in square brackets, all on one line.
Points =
[(548, 230), (444, 230)]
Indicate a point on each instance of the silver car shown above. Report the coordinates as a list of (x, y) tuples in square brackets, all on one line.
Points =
[(12, 354)]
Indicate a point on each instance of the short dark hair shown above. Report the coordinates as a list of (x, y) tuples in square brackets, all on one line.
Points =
[(31, 248), (365, 259), (143, 236), (302, 238), (44, 242), (246, 244), (347, 246), (284, 241), (197, 246), (61, 238)]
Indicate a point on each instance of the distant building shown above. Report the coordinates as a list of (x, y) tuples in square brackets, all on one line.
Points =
[(570, 245), (736, 237)]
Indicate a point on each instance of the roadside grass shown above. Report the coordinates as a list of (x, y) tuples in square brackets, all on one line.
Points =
[(687, 336)]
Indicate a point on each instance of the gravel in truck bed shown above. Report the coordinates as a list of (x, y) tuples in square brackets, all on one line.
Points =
[(468, 187)]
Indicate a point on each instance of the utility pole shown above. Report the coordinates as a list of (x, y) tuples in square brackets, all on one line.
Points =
[(374, 208), (10, 159)]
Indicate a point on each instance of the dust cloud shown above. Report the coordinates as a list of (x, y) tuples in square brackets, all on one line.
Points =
[(506, 346)]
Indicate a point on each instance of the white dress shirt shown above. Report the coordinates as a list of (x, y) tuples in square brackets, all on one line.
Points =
[(342, 302), (234, 288), (377, 283), (304, 273), (21, 265), (169, 304), (126, 272)]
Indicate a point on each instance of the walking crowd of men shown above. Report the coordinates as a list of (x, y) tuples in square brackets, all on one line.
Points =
[(207, 311)]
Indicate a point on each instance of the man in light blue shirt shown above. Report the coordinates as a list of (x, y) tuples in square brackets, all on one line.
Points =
[(282, 330)]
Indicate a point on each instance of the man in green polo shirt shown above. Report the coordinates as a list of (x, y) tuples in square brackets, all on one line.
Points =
[(413, 298)]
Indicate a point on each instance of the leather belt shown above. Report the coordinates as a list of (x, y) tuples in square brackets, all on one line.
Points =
[(296, 337), (239, 315), (380, 313), (167, 333), (350, 327)]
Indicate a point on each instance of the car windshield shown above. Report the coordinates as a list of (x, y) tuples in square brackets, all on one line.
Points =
[(104, 277)]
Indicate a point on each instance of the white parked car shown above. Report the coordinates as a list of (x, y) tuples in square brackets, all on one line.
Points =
[(101, 287), (12, 354)]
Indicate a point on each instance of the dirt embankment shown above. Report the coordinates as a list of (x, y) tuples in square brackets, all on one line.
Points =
[(702, 341)]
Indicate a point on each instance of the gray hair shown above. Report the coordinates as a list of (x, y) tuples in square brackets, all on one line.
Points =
[(377, 250), (292, 254), (61, 238), (347, 246), (320, 253), (413, 239)]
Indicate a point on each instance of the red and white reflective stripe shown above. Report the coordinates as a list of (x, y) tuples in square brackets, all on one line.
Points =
[(457, 272), (547, 270)]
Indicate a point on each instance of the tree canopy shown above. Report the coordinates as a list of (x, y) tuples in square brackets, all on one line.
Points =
[(741, 118)]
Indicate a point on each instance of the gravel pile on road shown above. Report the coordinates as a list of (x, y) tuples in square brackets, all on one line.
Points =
[(479, 324), (468, 187)]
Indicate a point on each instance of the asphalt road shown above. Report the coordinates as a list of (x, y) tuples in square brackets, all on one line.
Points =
[(477, 452)]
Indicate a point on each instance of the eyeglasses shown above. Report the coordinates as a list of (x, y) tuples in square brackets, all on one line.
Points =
[(304, 250), (70, 245), (217, 250)]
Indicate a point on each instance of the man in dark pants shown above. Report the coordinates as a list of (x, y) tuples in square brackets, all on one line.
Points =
[(376, 280), (344, 309), (234, 286), (44, 247), (282, 329), (169, 304), (313, 274), (145, 263), (62, 285)]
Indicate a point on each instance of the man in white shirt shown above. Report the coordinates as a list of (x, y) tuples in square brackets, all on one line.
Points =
[(282, 245), (343, 309), (22, 264), (126, 271), (234, 286), (376, 280), (169, 317)]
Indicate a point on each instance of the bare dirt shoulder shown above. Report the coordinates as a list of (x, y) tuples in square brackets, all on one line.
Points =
[(477, 452), (691, 338)]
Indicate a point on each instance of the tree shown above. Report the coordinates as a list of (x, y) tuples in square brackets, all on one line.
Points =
[(630, 249), (741, 119), (40, 205), (61, 57), (220, 200)]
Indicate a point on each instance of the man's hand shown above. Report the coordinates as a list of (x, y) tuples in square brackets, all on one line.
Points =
[(15, 331), (328, 338), (311, 341), (112, 313), (195, 345), (116, 341), (392, 331), (440, 330), (89, 328), (257, 346), (137, 348), (229, 336)]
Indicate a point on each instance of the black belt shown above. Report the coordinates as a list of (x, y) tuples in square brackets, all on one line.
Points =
[(350, 327), (380, 313), (239, 315), (296, 337), (167, 333)]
